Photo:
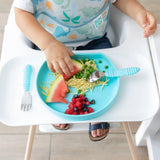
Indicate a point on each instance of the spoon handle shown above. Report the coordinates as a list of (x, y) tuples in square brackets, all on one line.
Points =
[(122, 72)]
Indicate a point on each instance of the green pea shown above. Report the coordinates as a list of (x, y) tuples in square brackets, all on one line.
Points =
[(85, 66), (79, 91), (85, 76), (91, 62), (103, 71), (87, 59), (88, 72), (83, 60), (99, 61), (106, 67), (91, 70), (84, 94)]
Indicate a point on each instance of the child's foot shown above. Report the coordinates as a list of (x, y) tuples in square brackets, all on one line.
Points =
[(61, 126), (98, 131)]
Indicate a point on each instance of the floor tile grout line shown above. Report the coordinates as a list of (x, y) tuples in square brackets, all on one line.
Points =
[(50, 147)]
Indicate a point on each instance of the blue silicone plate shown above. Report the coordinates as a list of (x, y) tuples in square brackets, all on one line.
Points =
[(104, 97)]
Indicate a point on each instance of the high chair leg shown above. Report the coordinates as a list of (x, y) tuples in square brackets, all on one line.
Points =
[(130, 141), (30, 142)]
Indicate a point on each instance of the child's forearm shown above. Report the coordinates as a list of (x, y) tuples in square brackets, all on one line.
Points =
[(130, 7), (32, 29)]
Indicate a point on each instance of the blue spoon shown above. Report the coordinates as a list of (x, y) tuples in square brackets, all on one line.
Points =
[(94, 76)]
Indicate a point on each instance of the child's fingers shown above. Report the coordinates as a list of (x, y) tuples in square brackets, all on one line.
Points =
[(50, 66), (57, 68), (148, 33), (64, 67), (142, 19), (70, 52), (152, 24), (69, 63)]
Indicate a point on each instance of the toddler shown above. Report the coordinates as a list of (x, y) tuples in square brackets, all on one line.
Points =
[(58, 26)]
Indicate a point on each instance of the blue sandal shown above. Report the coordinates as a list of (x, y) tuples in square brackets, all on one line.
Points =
[(101, 125)]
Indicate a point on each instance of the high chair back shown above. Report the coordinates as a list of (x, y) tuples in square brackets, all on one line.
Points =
[(122, 32)]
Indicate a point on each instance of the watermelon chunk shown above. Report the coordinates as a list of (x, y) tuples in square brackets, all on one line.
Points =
[(77, 68), (57, 91)]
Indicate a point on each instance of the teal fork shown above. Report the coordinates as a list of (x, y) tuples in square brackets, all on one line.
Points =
[(26, 102)]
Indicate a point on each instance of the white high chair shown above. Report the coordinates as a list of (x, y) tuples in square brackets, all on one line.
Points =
[(137, 100)]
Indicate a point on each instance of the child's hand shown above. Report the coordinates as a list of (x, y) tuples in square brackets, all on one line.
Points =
[(58, 58), (147, 21)]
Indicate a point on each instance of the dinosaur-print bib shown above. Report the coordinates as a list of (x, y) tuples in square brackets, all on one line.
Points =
[(73, 20)]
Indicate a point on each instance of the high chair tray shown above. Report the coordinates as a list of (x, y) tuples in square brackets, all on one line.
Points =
[(137, 99)]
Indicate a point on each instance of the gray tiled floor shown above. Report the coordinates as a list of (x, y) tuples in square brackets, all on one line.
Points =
[(66, 146)]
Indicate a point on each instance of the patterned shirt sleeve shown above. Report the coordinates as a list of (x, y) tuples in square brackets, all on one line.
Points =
[(24, 5), (113, 1)]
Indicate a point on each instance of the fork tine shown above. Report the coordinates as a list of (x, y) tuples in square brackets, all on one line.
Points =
[(26, 102), (28, 107), (25, 107), (22, 107)]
